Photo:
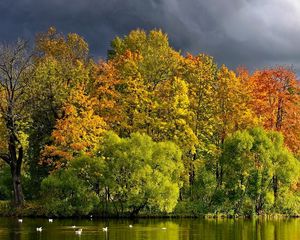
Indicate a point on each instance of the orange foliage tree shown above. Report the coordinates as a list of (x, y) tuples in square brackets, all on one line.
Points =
[(106, 83), (275, 100), (78, 131)]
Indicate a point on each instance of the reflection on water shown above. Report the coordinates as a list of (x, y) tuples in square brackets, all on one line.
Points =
[(151, 229)]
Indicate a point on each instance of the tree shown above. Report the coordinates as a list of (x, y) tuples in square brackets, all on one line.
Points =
[(65, 194), (275, 100), (141, 173), (90, 170), (66, 49), (15, 83), (286, 171), (105, 88), (74, 190), (171, 120), (232, 110), (250, 160), (61, 63), (79, 130), (200, 74), (153, 95), (141, 62)]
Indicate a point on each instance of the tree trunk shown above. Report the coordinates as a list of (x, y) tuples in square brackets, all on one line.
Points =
[(219, 173), (279, 117), (192, 170), (15, 75), (15, 168), (17, 187), (275, 188), (136, 210)]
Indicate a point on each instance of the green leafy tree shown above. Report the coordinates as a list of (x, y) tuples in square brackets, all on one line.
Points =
[(64, 194), (141, 173), (90, 170), (76, 189), (250, 161)]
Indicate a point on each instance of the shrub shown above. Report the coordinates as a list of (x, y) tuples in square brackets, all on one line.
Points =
[(65, 195)]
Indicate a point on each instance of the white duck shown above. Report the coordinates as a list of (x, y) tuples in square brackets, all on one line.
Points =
[(78, 231), (39, 229)]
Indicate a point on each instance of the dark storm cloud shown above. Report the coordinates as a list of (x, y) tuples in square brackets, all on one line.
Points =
[(255, 33)]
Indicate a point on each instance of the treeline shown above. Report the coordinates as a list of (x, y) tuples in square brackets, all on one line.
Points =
[(149, 130)]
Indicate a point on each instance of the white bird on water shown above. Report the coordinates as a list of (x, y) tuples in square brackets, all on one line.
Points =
[(130, 226), (73, 226), (164, 228), (39, 229), (105, 229), (50, 220), (20, 220), (78, 231)]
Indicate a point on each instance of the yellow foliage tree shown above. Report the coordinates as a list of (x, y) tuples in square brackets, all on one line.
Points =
[(78, 131)]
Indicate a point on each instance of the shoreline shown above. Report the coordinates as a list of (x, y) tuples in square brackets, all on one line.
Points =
[(32, 209)]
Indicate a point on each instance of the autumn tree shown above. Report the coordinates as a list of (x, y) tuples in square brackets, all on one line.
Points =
[(79, 130), (15, 84), (106, 90), (143, 60), (61, 62), (68, 48), (275, 100), (153, 92), (200, 74), (172, 118), (232, 110)]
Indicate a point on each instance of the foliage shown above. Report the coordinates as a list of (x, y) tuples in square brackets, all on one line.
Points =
[(253, 161), (141, 173), (275, 99), (61, 63), (79, 131), (5, 182), (70, 192), (185, 130)]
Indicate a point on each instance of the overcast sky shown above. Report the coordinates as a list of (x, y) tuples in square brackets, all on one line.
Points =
[(254, 33)]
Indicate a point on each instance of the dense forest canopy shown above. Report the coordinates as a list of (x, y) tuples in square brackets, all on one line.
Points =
[(149, 129)]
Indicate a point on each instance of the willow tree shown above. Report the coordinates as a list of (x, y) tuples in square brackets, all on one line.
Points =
[(15, 79), (250, 160)]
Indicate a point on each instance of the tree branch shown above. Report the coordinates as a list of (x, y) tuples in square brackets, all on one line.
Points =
[(5, 158)]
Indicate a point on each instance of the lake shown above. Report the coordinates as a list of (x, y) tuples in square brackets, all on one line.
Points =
[(151, 229)]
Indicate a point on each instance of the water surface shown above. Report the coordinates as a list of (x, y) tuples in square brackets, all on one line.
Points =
[(151, 229)]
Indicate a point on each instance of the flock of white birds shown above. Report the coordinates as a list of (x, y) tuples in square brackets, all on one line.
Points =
[(78, 231)]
